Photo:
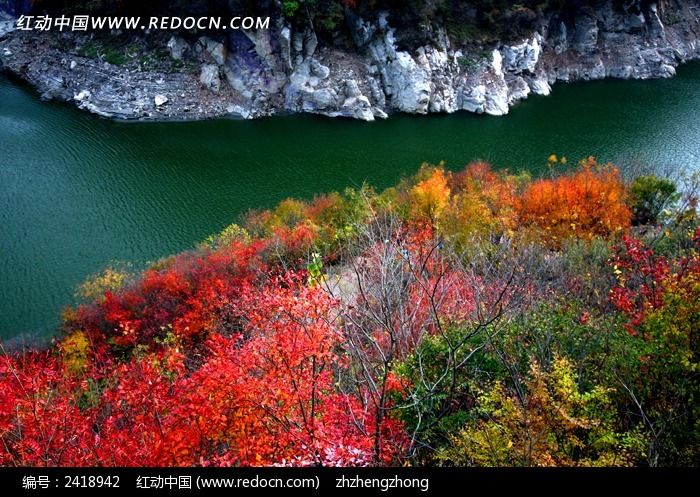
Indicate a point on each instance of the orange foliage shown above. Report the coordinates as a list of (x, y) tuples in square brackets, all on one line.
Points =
[(587, 203)]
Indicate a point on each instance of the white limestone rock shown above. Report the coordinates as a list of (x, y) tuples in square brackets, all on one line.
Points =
[(177, 47), (209, 77)]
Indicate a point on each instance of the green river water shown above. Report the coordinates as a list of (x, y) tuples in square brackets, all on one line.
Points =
[(78, 192)]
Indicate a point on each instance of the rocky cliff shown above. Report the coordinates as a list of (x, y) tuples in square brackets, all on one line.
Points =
[(249, 74)]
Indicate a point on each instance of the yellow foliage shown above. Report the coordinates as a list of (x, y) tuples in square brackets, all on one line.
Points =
[(430, 197), (230, 234), (74, 349), (555, 424), (289, 213), (483, 203), (94, 288)]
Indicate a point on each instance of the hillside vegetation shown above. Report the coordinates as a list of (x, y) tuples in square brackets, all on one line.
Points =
[(460, 318)]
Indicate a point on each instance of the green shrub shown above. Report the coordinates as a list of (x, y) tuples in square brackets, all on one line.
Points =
[(649, 196), (289, 8), (446, 381)]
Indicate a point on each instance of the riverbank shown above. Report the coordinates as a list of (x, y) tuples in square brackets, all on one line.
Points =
[(286, 69)]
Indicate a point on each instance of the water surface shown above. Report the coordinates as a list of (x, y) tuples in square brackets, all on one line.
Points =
[(78, 191)]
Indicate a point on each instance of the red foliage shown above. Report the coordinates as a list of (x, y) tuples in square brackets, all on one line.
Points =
[(189, 294), (264, 394), (40, 421), (641, 274), (295, 242)]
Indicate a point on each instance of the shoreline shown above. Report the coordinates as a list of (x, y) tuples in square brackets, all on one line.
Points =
[(281, 71)]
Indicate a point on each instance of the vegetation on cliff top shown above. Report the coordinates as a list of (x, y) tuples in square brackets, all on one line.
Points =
[(468, 318), (465, 21)]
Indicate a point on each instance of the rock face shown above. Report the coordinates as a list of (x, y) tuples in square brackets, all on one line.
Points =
[(7, 23), (177, 47), (209, 77), (250, 74)]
